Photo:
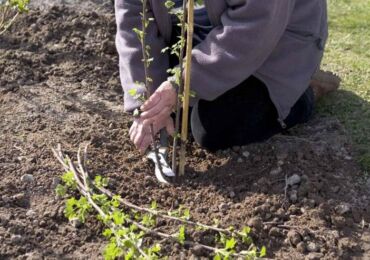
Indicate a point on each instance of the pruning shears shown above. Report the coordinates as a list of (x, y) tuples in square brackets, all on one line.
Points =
[(163, 170)]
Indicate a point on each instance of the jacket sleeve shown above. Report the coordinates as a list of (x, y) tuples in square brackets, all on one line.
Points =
[(129, 49), (234, 50)]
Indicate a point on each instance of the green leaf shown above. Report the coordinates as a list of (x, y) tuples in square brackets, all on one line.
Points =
[(263, 252), (153, 205), (69, 180), (132, 92), (181, 235), (60, 190), (169, 4), (186, 214), (107, 233), (230, 244), (100, 181), (112, 252), (118, 217)]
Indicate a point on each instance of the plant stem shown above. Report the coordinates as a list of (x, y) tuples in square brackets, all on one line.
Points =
[(83, 187), (185, 115), (71, 167), (144, 20), (181, 88)]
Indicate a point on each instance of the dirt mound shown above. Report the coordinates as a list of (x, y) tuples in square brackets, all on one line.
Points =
[(59, 84)]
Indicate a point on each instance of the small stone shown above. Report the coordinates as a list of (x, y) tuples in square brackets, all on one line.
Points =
[(34, 27), (294, 237), (223, 207), (236, 148), (338, 221), (34, 256), (240, 160), (246, 154), (335, 189), (368, 183), (276, 232), (16, 239), (75, 222), (343, 208), (30, 213), (312, 247), (301, 247), (197, 250), (280, 163), (255, 223), (293, 196), (294, 179), (20, 199), (276, 171), (314, 256), (55, 182), (232, 194), (27, 178)]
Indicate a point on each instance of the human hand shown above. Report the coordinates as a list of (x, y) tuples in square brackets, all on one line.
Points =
[(157, 112)]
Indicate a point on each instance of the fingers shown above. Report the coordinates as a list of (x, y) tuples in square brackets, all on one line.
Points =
[(153, 101), (152, 111), (145, 143)]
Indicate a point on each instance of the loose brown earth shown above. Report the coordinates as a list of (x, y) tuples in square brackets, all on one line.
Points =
[(59, 84)]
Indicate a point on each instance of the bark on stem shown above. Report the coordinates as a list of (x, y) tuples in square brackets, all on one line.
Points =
[(185, 115)]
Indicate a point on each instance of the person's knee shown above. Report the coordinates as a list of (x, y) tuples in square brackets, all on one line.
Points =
[(204, 137)]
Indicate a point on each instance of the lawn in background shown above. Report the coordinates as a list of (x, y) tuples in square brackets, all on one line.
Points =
[(348, 55)]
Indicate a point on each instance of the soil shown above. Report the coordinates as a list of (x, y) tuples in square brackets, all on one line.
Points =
[(59, 83)]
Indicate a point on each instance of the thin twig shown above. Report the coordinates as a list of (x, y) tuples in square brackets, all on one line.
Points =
[(144, 20), (185, 111), (181, 88), (82, 186)]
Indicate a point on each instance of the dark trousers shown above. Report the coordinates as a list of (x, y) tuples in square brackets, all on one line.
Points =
[(243, 115)]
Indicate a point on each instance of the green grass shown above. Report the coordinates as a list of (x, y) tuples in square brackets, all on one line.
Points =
[(348, 55)]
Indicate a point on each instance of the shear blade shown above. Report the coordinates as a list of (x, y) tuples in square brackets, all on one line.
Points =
[(166, 169)]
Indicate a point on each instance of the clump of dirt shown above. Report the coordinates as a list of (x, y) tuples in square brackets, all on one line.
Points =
[(301, 192)]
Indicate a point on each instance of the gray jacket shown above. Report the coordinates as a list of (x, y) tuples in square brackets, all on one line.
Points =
[(280, 42)]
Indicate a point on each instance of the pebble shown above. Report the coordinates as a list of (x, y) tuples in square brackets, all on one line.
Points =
[(276, 171), (368, 183), (294, 237), (240, 160), (20, 199), (294, 179), (256, 223), (312, 247), (34, 27), (223, 207), (55, 182), (197, 250), (343, 208), (338, 221), (232, 194), (34, 256), (30, 213), (301, 247), (16, 239), (276, 232), (27, 178), (315, 256), (75, 222), (293, 196), (236, 148), (246, 154)]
